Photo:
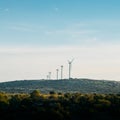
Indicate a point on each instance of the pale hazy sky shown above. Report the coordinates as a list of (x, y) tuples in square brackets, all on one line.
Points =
[(38, 36)]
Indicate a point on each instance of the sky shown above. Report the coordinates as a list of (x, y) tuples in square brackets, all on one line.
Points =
[(38, 36)]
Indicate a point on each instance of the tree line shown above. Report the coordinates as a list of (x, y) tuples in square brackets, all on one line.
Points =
[(59, 106)]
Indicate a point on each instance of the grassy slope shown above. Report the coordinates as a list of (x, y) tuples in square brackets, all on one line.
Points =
[(73, 85)]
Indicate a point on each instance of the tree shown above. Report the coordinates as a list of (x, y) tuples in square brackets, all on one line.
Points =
[(35, 94)]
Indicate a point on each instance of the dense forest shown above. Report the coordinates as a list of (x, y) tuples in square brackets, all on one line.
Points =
[(73, 85), (59, 106)]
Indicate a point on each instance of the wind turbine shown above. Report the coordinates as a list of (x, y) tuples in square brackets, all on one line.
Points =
[(61, 72), (57, 70), (70, 64), (49, 75)]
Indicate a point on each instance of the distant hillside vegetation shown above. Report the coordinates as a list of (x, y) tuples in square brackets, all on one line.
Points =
[(73, 85)]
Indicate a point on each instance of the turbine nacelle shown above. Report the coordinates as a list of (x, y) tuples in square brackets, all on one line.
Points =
[(70, 62)]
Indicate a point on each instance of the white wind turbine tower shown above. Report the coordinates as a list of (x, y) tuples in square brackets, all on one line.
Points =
[(57, 70), (70, 64), (61, 72), (49, 75)]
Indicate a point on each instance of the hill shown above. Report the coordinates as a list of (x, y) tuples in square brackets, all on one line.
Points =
[(73, 85)]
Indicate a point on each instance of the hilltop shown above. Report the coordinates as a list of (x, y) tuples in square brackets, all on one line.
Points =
[(73, 85)]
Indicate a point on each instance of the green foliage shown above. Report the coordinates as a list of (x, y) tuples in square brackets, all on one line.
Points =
[(4, 101), (52, 92), (4, 98), (35, 94), (64, 106), (64, 86)]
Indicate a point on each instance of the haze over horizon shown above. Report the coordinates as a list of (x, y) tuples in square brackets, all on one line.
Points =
[(38, 36)]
